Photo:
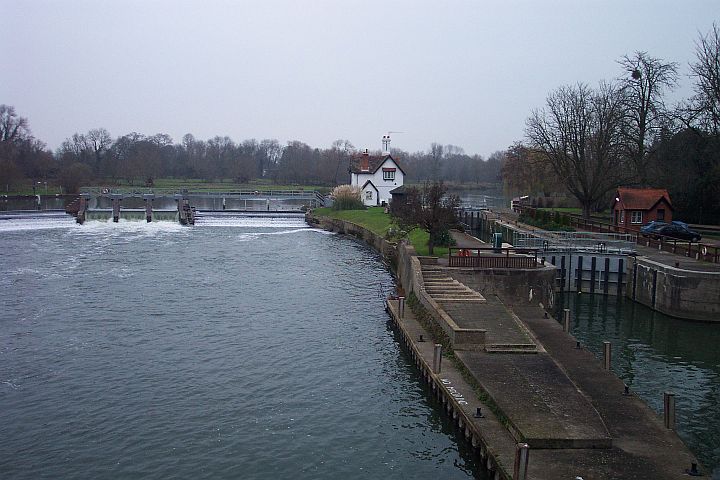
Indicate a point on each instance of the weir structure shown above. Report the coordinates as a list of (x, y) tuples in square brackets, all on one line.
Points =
[(183, 206), (530, 400)]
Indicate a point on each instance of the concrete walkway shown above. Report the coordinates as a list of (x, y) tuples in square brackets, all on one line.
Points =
[(463, 240), (642, 446)]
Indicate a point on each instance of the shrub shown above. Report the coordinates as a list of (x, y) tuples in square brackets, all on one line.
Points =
[(347, 197)]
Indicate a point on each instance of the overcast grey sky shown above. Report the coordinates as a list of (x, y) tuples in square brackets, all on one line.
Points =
[(461, 72)]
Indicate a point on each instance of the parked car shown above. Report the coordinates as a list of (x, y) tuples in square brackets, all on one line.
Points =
[(651, 228), (675, 229), (679, 230)]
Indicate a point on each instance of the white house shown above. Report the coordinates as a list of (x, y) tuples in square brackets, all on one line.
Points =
[(376, 176)]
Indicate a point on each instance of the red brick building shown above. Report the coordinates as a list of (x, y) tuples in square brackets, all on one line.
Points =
[(634, 207)]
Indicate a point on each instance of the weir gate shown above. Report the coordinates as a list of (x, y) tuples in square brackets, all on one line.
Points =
[(185, 206), (585, 261)]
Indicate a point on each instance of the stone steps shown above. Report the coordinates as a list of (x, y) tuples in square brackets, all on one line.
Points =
[(442, 288)]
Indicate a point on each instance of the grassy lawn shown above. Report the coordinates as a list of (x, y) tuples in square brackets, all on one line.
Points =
[(377, 221)]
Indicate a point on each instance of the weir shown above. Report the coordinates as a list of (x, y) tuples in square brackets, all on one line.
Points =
[(187, 206)]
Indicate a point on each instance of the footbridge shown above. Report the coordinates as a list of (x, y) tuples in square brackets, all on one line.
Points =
[(183, 206)]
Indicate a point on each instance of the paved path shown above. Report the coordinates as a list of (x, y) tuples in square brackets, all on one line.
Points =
[(463, 240), (641, 444)]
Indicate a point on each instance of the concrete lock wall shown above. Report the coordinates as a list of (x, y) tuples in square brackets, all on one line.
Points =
[(530, 286), (675, 291)]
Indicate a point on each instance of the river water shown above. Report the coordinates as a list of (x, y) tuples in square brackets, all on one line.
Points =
[(654, 353), (238, 348)]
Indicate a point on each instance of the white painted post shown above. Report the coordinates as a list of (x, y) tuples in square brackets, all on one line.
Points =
[(669, 410), (437, 358), (401, 306), (607, 354), (566, 320), (522, 452)]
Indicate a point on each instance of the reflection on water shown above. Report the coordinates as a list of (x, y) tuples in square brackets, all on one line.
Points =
[(654, 353)]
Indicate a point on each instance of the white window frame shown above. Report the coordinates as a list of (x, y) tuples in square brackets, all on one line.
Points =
[(388, 175), (636, 217)]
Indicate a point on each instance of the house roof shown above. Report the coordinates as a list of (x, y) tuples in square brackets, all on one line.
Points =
[(641, 198), (371, 184), (374, 162)]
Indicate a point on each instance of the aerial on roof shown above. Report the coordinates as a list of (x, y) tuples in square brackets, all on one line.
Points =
[(641, 198)]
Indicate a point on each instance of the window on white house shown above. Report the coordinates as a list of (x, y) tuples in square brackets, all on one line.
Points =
[(636, 217), (368, 195), (388, 174)]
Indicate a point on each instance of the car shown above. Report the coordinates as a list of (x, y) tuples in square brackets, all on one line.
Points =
[(651, 228), (678, 230)]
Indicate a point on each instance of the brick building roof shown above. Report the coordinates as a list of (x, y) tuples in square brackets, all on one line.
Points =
[(641, 198)]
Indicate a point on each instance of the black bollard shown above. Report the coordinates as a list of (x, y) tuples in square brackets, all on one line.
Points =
[(421, 339), (693, 470), (478, 413), (627, 390)]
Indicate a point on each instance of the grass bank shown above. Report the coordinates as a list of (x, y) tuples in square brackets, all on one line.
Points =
[(377, 221)]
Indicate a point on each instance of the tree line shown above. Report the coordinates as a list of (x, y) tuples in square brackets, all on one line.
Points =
[(137, 159), (588, 140)]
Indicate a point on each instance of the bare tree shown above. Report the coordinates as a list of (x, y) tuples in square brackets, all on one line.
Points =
[(703, 110), (645, 81), (12, 127), (578, 133), (436, 157), (428, 208), (98, 141)]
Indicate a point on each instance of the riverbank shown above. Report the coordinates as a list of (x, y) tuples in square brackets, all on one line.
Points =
[(377, 221), (577, 424)]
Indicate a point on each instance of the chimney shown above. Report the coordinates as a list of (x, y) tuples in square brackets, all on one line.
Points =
[(365, 161), (386, 144)]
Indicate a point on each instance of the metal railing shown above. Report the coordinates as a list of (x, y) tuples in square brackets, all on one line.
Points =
[(700, 251), (521, 258), (576, 241)]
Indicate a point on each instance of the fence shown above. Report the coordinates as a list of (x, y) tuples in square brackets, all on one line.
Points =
[(699, 251), (493, 258)]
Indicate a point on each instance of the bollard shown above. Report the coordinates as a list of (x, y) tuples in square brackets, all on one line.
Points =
[(421, 339), (577, 345), (478, 413), (627, 390), (437, 358), (401, 306), (693, 470), (522, 451), (669, 410), (607, 354), (566, 320)]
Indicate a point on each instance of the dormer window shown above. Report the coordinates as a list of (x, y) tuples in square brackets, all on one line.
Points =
[(389, 174)]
